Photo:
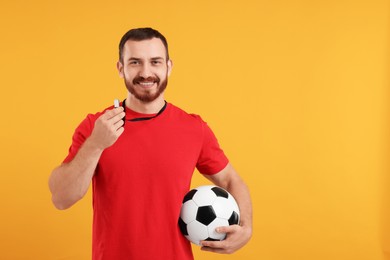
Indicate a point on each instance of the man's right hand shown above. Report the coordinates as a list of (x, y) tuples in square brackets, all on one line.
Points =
[(70, 181), (108, 127)]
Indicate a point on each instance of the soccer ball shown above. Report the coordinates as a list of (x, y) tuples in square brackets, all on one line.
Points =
[(203, 210)]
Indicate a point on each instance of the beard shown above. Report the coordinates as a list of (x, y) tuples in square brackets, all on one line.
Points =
[(146, 95)]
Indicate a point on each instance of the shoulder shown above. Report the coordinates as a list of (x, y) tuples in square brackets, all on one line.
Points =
[(179, 113)]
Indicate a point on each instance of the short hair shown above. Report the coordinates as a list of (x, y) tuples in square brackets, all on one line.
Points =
[(140, 34)]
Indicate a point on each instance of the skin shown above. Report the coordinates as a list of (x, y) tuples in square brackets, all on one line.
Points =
[(143, 60), (237, 235)]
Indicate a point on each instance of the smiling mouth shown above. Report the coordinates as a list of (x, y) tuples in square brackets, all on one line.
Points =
[(146, 84)]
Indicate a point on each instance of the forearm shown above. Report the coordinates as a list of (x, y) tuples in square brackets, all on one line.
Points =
[(237, 235), (240, 192), (69, 182), (232, 182)]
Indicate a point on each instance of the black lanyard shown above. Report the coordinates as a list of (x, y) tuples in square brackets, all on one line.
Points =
[(143, 118)]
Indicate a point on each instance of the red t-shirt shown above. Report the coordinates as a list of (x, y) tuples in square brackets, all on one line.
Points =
[(140, 181)]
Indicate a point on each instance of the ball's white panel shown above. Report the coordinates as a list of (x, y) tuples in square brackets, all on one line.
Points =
[(234, 204), (218, 222), (204, 196), (223, 208), (197, 232), (188, 211)]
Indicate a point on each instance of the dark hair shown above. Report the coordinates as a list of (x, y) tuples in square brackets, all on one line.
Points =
[(140, 34)]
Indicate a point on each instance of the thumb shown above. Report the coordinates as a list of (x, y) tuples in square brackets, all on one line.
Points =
[(225, 229)]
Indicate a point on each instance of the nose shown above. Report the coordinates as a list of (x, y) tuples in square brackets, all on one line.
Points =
[(145, 71)]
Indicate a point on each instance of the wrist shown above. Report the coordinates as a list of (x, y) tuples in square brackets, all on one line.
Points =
[(93, 146), (247, 227)]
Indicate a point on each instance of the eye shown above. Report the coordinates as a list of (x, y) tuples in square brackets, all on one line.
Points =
[(156, 62), (134, 62)]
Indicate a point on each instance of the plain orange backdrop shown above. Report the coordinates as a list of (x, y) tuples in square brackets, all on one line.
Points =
[(297, 93)]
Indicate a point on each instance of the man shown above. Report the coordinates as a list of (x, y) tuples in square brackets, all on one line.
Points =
[(140, 158)]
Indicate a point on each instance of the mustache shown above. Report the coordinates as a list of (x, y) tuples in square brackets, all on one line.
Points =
[(148, 79)]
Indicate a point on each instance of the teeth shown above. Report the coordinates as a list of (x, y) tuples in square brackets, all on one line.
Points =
[(146, 83)]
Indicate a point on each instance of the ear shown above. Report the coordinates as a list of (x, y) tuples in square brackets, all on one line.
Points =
[(170, 65), (119, 67)]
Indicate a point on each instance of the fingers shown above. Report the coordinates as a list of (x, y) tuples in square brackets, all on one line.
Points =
[(120, 130), (118, 125), (220, 247), (226, 229), (114, 114), (108, 127), (213, 244), (217, 246), (227, 246), (215, 250), (113, 117)]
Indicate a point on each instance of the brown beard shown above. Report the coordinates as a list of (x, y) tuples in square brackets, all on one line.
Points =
[(146, 96)]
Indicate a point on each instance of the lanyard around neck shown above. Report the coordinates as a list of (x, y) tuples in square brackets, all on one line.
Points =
[(143, 118)]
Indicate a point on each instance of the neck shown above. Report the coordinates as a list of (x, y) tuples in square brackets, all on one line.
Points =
[(145, 107)]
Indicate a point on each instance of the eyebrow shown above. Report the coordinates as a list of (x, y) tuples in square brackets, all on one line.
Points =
[(153, 58)]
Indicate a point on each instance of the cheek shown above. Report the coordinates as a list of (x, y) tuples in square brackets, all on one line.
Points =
[(163, 73), (128, 74)]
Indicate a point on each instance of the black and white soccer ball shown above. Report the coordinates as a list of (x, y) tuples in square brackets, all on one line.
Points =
[(203, 210)]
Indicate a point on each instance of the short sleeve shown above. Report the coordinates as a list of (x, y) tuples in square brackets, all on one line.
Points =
[(212, 159), (82, 132)]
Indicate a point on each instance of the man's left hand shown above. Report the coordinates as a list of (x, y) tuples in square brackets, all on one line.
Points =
[(236, 237)]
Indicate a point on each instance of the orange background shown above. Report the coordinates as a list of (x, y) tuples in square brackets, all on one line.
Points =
[(296, 92)]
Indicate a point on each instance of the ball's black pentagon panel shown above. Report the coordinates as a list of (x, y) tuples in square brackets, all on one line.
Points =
[(220, 192), (205, 215), (203, 210), (212, 239), (189, 195), (183, 227), (233, 220)]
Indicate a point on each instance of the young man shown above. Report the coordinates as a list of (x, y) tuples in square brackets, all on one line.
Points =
[(140, 158)]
